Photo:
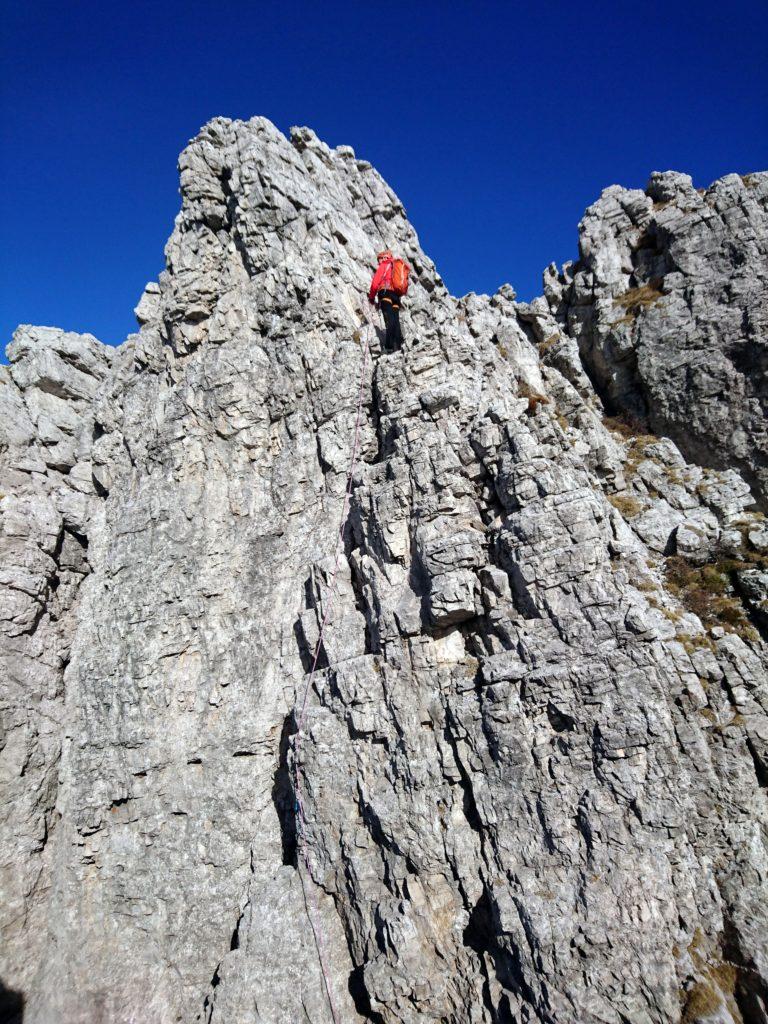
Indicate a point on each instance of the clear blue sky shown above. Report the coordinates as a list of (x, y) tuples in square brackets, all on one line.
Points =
[(496, 123)]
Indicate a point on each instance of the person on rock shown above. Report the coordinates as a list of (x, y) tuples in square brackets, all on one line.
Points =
[(389, 285)]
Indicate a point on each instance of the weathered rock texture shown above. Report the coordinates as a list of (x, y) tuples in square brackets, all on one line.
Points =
[(669, 307), (536, 753), (46, 504)]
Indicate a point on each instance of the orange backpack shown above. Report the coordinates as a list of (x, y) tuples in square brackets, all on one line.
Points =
[(400, 272)]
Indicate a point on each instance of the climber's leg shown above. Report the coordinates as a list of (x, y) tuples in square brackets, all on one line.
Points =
[(390, 320), (397, 334)]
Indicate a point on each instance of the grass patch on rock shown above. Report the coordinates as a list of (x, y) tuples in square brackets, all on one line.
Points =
[(629, 427), (693, 642), (707, 592), (534, 398), (626, 505), (637, 452), (637, 299), (548, 343), (714, 989), (702, 1000)]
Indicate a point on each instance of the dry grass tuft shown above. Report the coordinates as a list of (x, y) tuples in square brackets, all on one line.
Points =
[(701, 1001), (637, 299), (693, 642), (626, 505), (534, 401), (637, 452), (647, 586), (715, 987), (630, 428), (548, 343), (706, 591), (534, 398)]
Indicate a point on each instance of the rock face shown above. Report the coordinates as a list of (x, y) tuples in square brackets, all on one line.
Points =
[(47, 495), (669, 307), (534, 757)]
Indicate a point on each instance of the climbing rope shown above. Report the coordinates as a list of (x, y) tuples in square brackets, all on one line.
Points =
[(314, 915)]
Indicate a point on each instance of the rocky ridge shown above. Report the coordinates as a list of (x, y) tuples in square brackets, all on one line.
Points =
[(667, 305), (534, 758)]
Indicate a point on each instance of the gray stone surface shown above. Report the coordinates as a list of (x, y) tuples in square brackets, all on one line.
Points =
[(668, 306), (46, 503), (534, 758)]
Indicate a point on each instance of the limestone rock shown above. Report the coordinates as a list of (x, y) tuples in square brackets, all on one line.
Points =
[(668, 305), (533, 756), (46, 507)]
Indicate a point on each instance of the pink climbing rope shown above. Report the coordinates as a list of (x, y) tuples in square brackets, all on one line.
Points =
[(314, 916)]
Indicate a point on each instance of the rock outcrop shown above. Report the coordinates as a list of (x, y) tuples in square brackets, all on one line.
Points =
[(47, 494), (535, 755), (669, 307)]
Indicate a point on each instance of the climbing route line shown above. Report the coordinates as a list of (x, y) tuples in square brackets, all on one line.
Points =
[(310, 898)]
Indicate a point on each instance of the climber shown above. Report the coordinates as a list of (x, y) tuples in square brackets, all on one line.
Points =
[(389, 284)]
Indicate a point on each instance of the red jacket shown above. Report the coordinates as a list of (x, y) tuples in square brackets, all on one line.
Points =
[(382, 279)]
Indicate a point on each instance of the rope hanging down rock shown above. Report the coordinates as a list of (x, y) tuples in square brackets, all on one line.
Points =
[(314, 916)]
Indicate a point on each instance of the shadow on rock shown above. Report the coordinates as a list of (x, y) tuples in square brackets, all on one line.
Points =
[(11, 1006)]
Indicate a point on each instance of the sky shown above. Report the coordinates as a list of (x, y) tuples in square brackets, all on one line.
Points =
[(496, 123)]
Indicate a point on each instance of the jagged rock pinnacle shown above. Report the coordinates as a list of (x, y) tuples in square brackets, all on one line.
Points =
[(534, 756)]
